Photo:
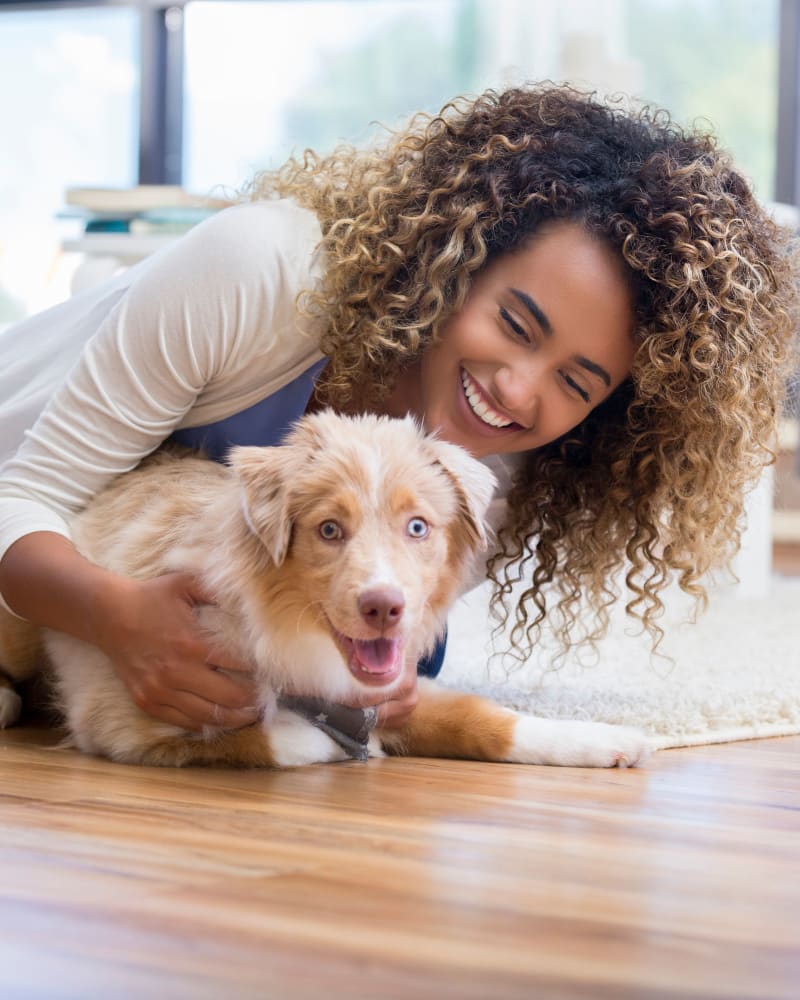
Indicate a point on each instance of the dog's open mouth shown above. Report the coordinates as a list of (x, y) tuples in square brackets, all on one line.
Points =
[(373, 661)]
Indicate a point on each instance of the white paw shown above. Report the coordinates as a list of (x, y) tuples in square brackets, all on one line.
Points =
[(10, 707), (295, 742), (577, 744)]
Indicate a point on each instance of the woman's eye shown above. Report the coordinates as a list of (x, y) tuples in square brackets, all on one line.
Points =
[(516, 327), (417, 527), (330, 531), (573, 385)]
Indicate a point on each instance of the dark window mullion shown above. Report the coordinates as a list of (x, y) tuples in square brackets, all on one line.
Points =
[(161, 109), (787, 157)]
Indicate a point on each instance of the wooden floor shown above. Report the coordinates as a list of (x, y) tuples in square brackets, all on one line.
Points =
[(406, 879)]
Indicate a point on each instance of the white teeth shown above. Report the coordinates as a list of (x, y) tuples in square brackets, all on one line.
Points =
[(479, 407)]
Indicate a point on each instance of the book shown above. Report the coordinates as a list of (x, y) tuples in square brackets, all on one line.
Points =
[(107, 225), (176, 220), (142, 198)]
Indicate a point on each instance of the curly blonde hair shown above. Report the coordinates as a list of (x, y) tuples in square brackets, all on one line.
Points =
[(653, 479)]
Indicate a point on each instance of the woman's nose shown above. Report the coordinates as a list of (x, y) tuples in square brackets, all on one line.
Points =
[(518, 389)]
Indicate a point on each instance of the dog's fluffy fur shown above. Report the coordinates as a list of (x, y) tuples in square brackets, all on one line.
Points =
[(333, 560)]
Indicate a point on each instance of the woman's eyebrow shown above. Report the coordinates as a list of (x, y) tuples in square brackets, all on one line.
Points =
[(534, 310), (595, 369)]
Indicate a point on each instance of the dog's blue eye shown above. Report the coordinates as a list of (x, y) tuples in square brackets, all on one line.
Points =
[(330, 531), (417, 527)]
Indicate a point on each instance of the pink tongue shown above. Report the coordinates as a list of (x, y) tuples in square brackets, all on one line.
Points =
[(376, 656)]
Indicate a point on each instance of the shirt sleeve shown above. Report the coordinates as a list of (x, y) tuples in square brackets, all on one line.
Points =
[(203, 304)]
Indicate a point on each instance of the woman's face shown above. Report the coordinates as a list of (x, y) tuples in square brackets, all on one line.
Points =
[(544, 336)]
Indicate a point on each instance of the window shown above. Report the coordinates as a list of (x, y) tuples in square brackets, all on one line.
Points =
[(263, 78), (717, 61), (70, 80)]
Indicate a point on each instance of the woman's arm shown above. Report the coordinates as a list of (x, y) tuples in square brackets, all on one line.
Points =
[(201, 309), (148, 630)]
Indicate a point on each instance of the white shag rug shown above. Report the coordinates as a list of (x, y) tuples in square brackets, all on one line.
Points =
[(733, 675)]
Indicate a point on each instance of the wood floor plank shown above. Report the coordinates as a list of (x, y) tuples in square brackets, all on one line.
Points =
[(401, 878)]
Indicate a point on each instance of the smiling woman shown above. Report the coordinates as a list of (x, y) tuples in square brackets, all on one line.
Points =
[(644, 253)]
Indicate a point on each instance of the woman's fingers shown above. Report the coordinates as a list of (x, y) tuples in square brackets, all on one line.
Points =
[(190, 712), (209, 683), (174, 669), (394, 712), (220, 659), (210, 713), (197, 688), (191, 588)]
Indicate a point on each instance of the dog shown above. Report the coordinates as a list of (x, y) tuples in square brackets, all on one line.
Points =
[(333, 560)]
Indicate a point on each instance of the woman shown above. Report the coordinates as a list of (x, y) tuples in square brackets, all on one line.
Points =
[(590, 299)]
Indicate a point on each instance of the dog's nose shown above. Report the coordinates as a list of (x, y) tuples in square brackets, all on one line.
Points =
[(381, 607)]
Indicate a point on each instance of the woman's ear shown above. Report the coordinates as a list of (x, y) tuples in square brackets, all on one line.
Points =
[(266, 475)]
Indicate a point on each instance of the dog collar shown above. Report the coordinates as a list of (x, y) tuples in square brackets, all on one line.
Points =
[(349, 727)]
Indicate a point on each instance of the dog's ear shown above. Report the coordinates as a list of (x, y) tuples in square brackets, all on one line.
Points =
[(474, 485), (266, 475)]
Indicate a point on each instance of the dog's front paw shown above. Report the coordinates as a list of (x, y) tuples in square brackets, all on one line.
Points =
[(296, 743), (10, 707), (577, 744)]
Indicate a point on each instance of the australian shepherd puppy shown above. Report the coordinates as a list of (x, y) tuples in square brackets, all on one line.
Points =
[(333, 560)]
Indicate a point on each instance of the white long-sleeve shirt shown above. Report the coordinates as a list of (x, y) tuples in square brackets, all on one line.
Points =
[(201, 330), (204, 329)]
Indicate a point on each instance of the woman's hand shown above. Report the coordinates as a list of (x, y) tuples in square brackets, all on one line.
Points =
[(148, 629), (394, 713), (167, 661)]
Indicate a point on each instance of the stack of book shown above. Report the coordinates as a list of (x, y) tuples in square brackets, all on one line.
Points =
[(145, 210)]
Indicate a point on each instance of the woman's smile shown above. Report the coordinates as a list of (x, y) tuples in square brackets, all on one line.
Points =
[(481, 406)]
